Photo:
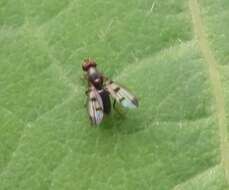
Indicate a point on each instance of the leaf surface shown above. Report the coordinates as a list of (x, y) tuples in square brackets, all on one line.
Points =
[(172, 54)]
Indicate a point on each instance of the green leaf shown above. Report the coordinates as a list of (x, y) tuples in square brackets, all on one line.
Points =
[(172, 54)]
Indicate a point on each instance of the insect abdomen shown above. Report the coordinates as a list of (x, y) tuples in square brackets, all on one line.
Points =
[(106, 101)]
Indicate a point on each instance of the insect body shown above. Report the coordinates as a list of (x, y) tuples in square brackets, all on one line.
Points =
[(99, 90)]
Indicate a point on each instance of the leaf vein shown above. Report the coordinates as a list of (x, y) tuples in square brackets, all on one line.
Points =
[(214, 77)]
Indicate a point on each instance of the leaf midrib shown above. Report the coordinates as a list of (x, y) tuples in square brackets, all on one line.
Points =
[(214, 77)]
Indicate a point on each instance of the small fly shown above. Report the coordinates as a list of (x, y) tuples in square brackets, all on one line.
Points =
[(99, 90)]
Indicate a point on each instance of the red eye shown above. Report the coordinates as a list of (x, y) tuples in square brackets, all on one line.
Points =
[(85, 67), (87, 64)]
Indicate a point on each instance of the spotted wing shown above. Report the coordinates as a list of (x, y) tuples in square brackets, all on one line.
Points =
[(121, 95), (95, 106)]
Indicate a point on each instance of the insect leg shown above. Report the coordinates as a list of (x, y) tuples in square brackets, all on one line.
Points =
[(114, 103), (118, 110)]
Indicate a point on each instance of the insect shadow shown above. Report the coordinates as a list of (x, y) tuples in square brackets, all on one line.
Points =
[(119, 123)]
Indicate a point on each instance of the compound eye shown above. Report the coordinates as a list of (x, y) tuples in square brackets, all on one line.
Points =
[(85, 67), (87, 64)]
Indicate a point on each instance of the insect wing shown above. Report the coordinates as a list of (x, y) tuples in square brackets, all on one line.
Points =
[(121, 95), (95, 106)]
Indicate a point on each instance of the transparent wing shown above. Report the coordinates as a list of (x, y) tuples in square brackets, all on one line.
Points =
[(95, 106), (121, 95)]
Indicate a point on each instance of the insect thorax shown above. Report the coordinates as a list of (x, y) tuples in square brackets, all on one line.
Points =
[(95, 78)]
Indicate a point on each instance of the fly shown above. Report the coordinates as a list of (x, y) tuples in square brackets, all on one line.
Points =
[(100, 88)]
